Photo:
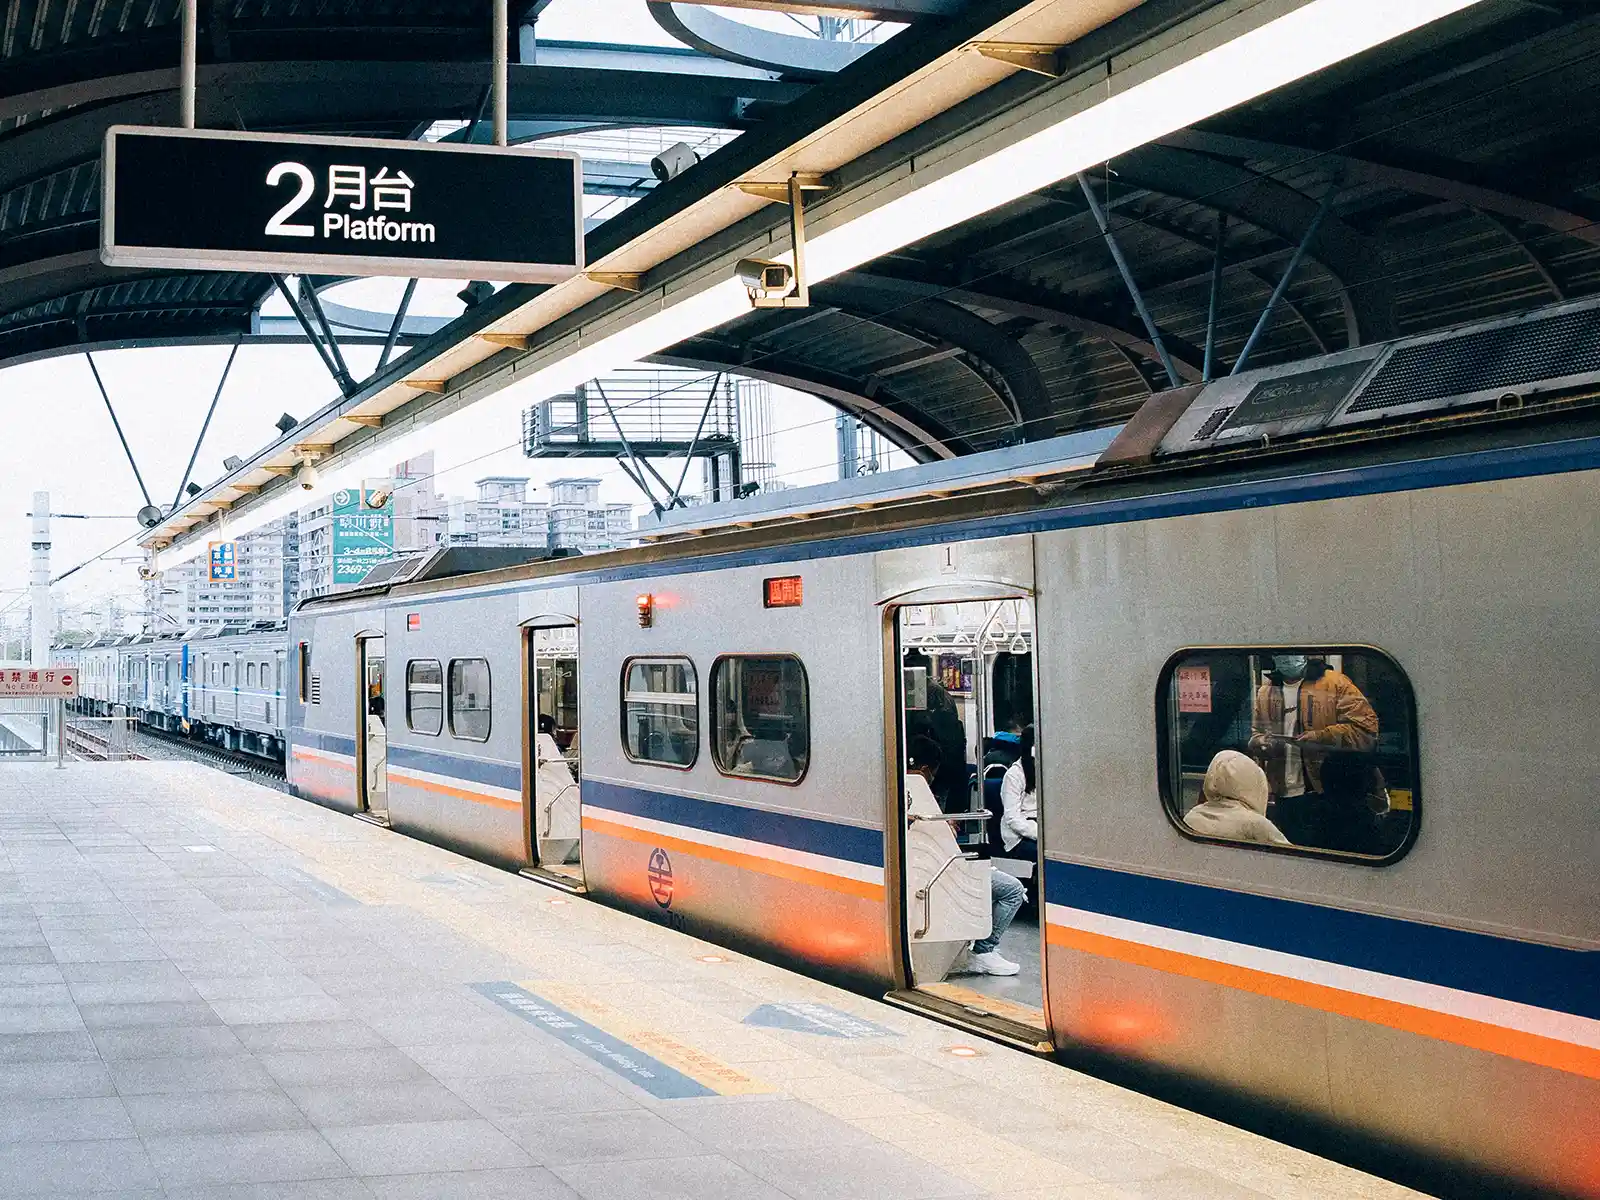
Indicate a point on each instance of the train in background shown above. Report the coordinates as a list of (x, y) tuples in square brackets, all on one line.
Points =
[(223, 686), (782, 728)]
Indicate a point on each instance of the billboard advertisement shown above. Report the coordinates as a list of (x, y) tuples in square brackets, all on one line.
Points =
[(363, 534)]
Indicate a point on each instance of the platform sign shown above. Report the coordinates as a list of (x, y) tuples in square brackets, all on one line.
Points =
[(201, 199), (54, 683), (363, 535), (223, 558)]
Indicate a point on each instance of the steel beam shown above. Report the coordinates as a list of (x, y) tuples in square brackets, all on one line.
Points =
[(1001, 294), (936, 321), (1572, 215), (795, 56), (1128, 280), (1351, 258), (117, 425), (907, 428), (1284, 280), (188, 471)]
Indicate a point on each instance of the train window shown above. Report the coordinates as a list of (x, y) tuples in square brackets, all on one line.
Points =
[(469, 699), (762, 725), (660, 711), (425, 697), (250, 675), (1298, 748), (304, 673)]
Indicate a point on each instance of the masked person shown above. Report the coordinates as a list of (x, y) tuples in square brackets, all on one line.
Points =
[(1303, 711)]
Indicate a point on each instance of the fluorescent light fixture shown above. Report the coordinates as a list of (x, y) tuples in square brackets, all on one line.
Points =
[(1309, 39)]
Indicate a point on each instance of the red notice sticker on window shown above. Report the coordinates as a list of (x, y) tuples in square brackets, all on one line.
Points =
[(1194, 689), (413, 622)]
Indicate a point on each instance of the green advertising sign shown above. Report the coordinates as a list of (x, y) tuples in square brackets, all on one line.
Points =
[(363, 536)]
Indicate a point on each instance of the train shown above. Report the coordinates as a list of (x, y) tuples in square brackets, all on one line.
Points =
[(1363, 585), (222, 685)]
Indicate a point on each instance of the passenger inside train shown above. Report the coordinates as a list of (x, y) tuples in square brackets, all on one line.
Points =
[(1006, 895), (1331, 732)]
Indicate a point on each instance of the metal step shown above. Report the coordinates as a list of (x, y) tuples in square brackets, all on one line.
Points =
[(964, 1016), (550, 879), (372, 819)]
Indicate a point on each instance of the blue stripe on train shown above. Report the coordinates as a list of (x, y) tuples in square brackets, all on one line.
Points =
[(470, 770), (1550, 977), (333, 743), (828, 838)]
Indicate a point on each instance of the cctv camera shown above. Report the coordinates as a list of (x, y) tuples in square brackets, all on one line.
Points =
[(376, 497), (307, 477), (149, 573), (149, 516), (674, 161), (763, 278)]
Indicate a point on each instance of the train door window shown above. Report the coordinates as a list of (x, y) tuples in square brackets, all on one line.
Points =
[(970, 804), (250, 675), (660, 711), (470, 699), (557, 752), (303, 662), (762, 726), (1295, 748), (425, 697)]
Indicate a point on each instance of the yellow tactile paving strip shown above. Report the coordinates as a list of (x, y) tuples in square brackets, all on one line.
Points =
[(1008, 1123)]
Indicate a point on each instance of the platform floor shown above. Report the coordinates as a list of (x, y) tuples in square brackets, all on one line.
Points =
[(212, 989)]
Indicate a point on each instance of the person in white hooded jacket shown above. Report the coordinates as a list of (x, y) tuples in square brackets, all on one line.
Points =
[(1233, 802)]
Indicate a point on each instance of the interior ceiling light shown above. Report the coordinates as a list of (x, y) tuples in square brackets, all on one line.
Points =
[(1152, 103)]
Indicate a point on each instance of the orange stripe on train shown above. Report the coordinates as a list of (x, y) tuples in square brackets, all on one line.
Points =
[(734, 858), (443, 789), (1444, 1027)]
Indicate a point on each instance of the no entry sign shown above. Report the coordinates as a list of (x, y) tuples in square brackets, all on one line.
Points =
[(202, 199), (52, 682)]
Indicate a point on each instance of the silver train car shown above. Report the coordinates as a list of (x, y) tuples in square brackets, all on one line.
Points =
[(1305, 654), (223, 686)]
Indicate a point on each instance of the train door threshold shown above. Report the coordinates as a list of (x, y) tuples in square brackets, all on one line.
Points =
[(561, 883), (372, 818), (951, 1011)]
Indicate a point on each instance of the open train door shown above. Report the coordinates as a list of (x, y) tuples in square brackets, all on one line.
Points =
[(552, 750), (372, 732), (960, 698)]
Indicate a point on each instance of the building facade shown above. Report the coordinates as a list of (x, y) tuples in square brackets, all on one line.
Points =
[(264, 587), (580, 520)]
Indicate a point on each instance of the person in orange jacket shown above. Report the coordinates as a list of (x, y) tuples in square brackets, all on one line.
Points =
[(1305, 710)]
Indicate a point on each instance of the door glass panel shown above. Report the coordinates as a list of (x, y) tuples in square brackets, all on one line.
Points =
[(558, 762), (970, 783), (377, 733)]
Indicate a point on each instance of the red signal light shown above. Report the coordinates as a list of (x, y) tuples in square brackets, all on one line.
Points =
[(647, 610)]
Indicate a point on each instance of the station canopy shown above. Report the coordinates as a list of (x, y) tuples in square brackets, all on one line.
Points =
[(1444, 176)]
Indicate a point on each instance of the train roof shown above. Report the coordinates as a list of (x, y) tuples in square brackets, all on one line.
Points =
[(1488, 385)]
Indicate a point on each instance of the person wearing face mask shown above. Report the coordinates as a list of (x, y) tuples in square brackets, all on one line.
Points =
[(1303, 711)]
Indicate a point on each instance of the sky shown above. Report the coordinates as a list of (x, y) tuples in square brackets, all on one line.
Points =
[(56, 435)]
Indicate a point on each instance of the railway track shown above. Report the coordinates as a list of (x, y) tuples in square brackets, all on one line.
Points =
[(143, 744), (232, 761), (85, 743)]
